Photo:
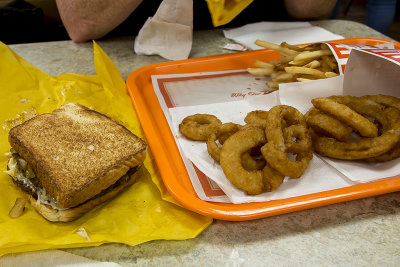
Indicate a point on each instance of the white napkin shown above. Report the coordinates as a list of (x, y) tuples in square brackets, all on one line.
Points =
[(278, 32), (51, 258), (169, 33)]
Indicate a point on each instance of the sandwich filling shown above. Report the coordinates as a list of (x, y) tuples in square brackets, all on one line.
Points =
[(23, 175)]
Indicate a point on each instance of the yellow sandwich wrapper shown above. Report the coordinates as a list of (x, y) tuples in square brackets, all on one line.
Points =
[(224, 11), (142, 213)]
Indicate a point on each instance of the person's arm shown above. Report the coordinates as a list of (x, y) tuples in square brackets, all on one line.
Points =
[(92, 19), (310, 9)]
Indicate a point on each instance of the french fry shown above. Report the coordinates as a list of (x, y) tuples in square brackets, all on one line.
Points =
[(282, 77), (260, 71), (18, 208), (330, 74), (263, 64), (308, 77), (281, 67), (276, 47), (283, 60), (313, 64), (293, 47), (273, 84), (303, 79), (330, 61), (308, 56), (314, 47), (303, 70)]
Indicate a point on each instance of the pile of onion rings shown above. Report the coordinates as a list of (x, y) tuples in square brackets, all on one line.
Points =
[(365, 128), (273, 144), (256, 156)]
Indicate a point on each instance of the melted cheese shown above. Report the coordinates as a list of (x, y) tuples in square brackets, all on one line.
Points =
[(26, 177)]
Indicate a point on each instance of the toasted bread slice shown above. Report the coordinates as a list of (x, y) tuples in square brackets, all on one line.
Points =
[(76, 152)]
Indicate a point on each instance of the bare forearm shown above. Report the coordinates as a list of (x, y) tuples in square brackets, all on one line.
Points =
[(309, 9), (91, 19)]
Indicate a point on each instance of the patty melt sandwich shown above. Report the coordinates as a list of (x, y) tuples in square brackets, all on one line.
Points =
[(71, 160)]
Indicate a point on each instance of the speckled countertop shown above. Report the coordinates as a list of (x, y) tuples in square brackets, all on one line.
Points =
[(363, 232)]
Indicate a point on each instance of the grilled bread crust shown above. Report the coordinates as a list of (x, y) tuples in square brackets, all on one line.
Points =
[(76, 152), (74, 213)]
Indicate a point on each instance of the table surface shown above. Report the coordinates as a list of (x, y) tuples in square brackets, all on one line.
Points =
[(362, 232)]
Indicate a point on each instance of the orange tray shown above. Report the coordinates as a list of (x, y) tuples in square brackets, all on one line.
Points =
[(170, 163)]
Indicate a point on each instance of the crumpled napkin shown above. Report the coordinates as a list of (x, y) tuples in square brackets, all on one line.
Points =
[(169, 33), (278, 32)]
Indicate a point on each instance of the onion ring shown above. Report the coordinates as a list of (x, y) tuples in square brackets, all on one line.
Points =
[(347, 115), (275, 151), (297, 138), (389, 101), (272, 179), (257, 117), (198, 127), (220, 133), (231, 162), (362, 149), (385, 100), (390, 155), (252, 162), (326, 125)]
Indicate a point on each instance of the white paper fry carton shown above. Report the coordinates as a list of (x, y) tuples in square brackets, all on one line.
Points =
[(230, 95)]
